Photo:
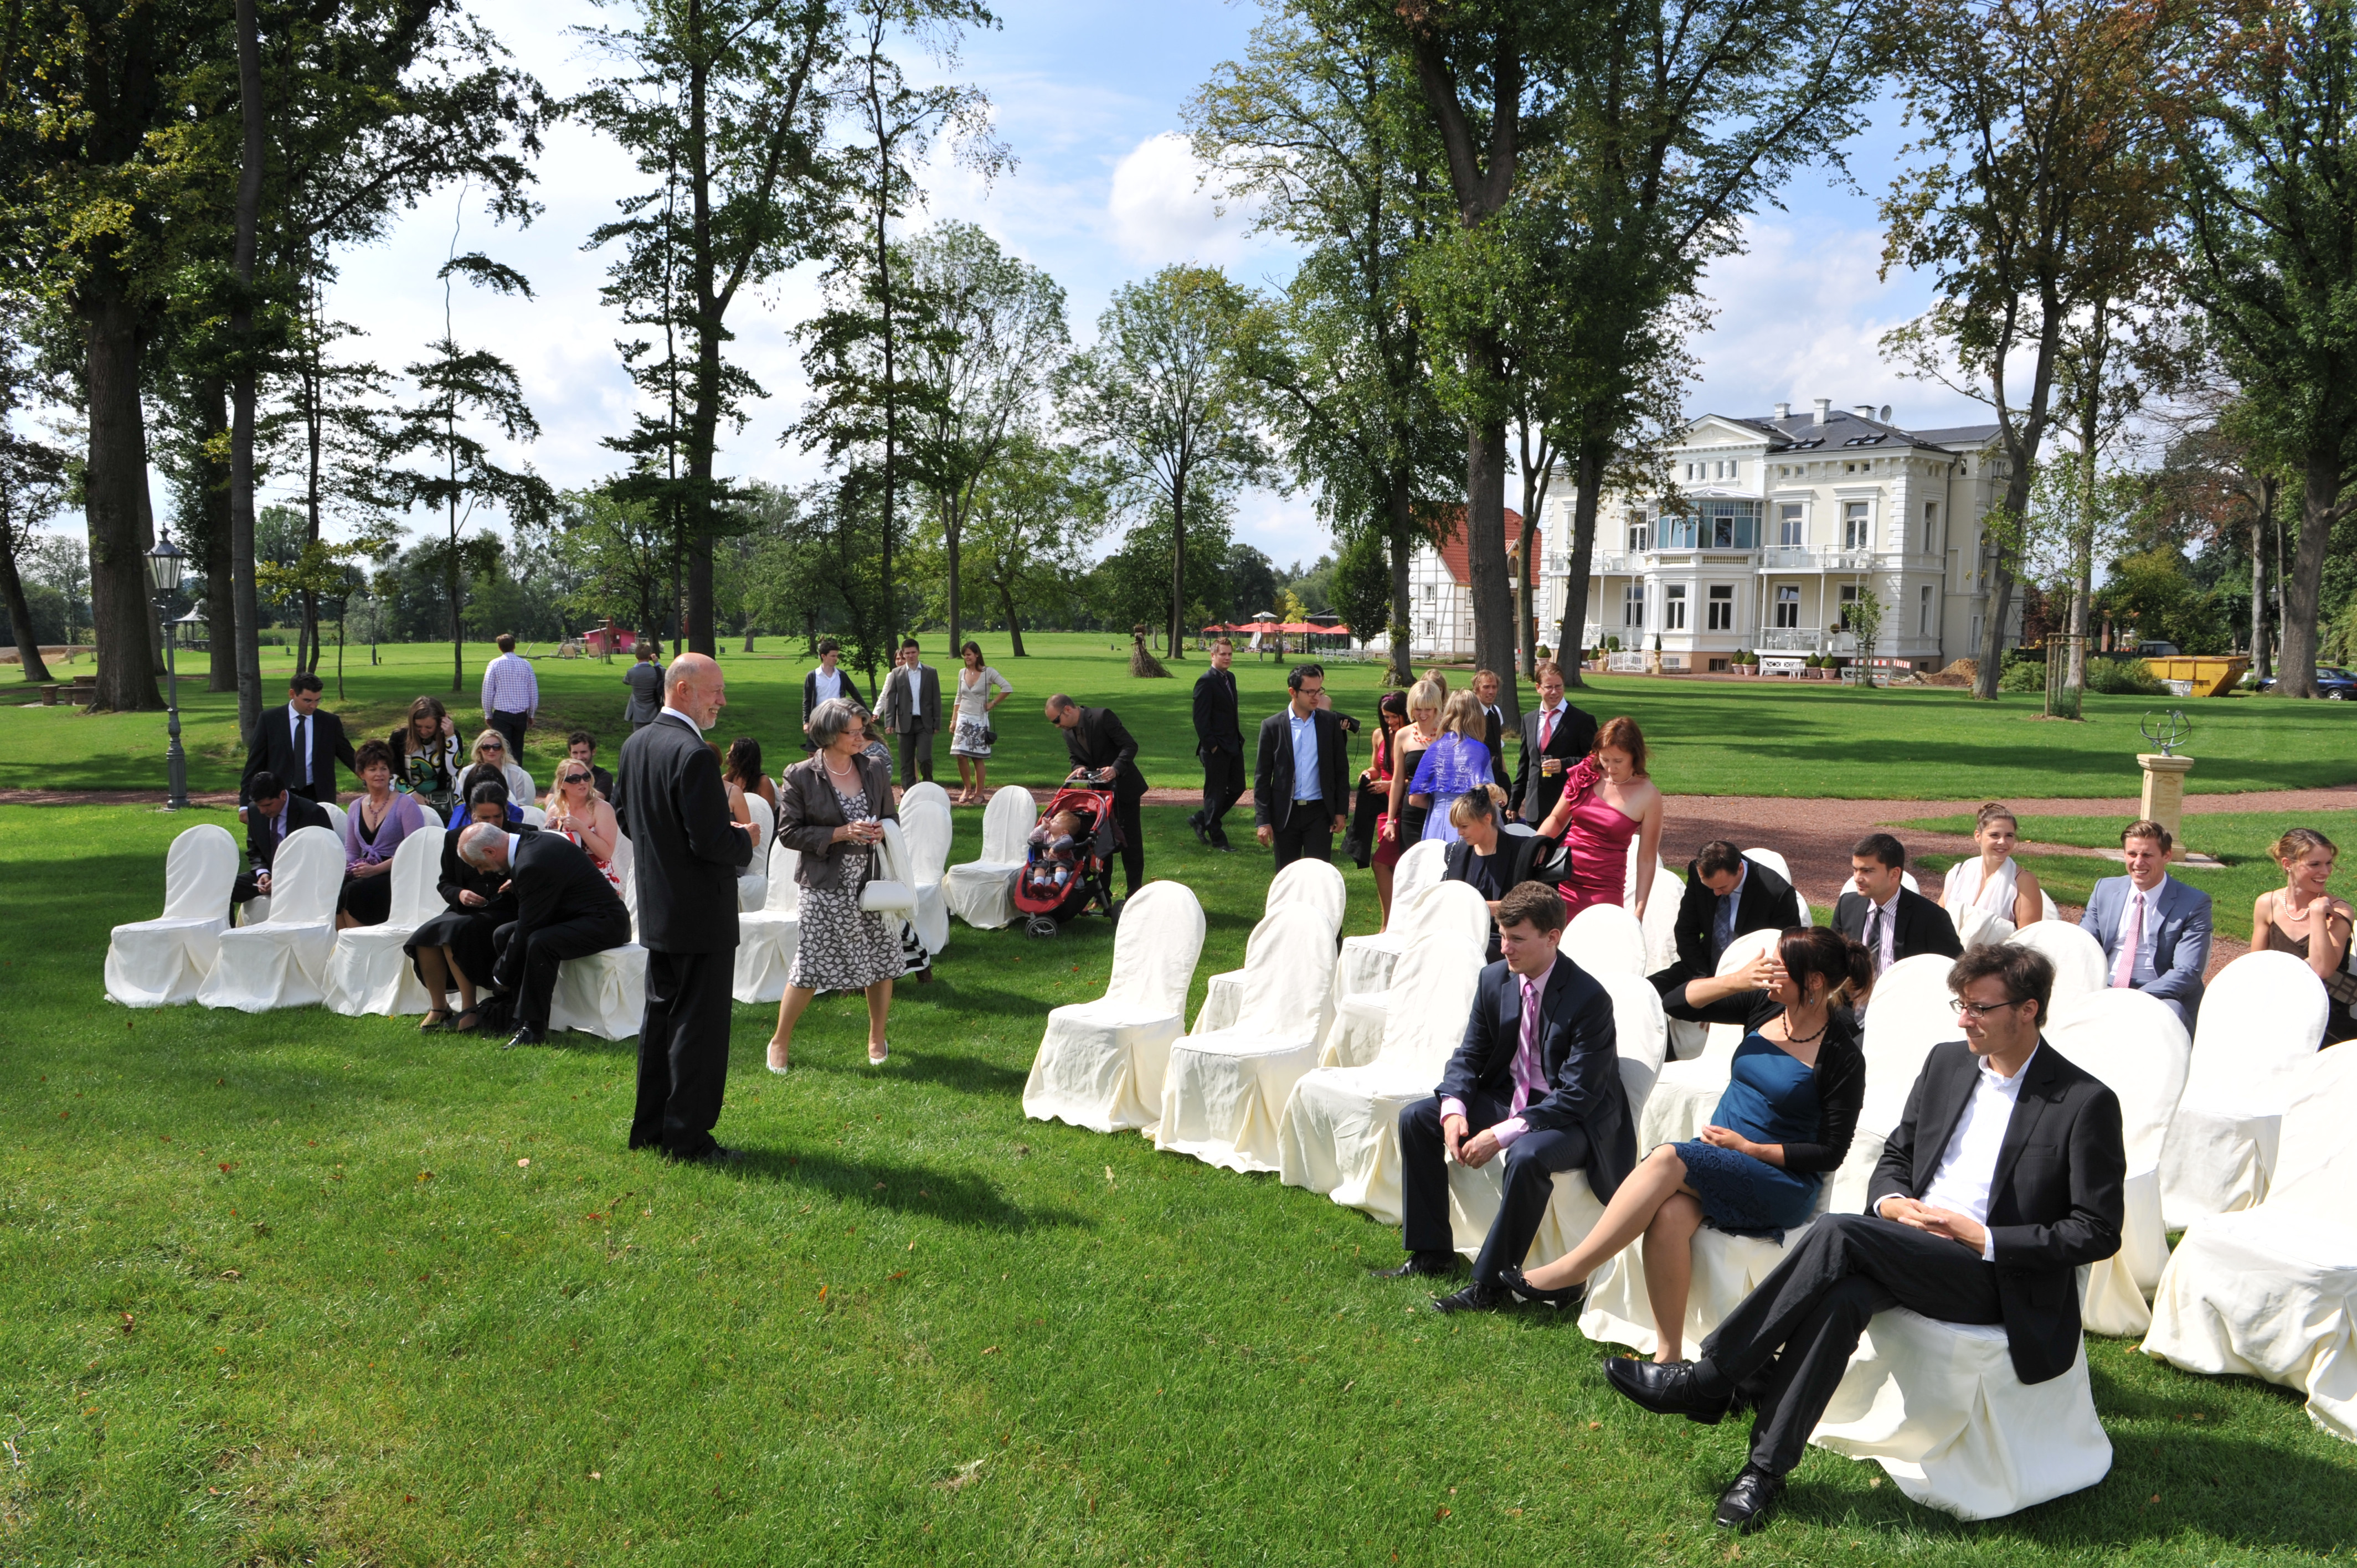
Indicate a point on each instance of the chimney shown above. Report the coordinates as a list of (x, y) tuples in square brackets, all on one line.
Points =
[(1863, 410), (1783, 411), (1825, 408)]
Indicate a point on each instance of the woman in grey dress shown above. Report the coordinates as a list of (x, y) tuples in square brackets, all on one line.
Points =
[(831, 809)]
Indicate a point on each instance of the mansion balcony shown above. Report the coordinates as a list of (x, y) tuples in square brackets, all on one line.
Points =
[(1765, 558)]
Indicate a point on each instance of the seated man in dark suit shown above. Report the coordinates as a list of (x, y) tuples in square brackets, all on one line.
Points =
[(2003, 1177), (1891, 922), (273, 812), (298, 745), (1488, 859), (1727, 895), (564, 909), (1535, 1083), (2155, 929)]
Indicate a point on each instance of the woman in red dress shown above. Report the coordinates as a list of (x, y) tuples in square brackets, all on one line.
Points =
[(1375, 787), (1607, 800)]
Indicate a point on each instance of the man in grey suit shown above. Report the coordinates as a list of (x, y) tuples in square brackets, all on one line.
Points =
[(645, 680), (911, 708), (2155, 929)]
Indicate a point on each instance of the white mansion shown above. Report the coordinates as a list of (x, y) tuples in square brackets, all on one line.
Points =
[(1769, 527)]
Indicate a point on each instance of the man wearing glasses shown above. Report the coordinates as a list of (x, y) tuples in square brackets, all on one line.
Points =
[(2002, 1177)]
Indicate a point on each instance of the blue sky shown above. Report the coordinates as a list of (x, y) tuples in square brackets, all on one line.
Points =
[(1087, 98)]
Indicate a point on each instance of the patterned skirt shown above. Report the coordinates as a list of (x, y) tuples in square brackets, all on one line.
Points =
[(843, 946), (971, 739)]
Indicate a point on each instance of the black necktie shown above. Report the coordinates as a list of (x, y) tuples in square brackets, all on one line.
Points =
[(303, 746)]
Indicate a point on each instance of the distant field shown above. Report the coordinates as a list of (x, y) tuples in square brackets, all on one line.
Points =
[(1709, 737)]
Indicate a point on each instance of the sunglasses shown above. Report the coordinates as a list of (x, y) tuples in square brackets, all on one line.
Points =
[(573, 779)]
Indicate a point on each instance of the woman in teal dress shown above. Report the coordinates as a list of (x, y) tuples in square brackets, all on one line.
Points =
[(1784, 1124)]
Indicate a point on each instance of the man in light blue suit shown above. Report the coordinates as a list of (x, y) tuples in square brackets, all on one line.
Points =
[(2155, 929)]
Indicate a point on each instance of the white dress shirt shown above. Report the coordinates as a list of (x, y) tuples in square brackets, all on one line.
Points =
[(671, 712), (826, 684), (1967, 1167)]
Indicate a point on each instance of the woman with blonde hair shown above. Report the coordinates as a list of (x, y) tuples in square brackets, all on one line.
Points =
[(1456, 762), (1404, 821), (1607, 800), (575, 808), (1992, 883), (2305, 921), (491, 751)]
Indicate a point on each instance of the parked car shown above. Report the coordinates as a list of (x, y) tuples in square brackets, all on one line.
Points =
[(2333, 684), (2156, 650)]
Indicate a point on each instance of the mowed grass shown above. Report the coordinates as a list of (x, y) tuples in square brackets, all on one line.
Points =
[(1719, 737), (279, 1289)]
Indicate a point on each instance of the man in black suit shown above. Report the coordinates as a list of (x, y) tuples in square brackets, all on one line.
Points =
[(274, 811), (1727, 895), (1301, 790), (687, 851), (564, 909), (1892, 923), (298, 743), (2003, 1177), (1486, 686), (1103, 751), (1554, 736), (1536, 1082), (1220, 742)]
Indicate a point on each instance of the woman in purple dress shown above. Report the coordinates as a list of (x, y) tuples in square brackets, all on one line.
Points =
[(1608, 800), (1455, 763)]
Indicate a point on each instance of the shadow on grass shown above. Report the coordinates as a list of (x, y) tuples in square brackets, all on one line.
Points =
[(954, 1198)]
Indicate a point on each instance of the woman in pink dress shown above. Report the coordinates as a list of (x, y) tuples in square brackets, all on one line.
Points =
[(1607, 800)]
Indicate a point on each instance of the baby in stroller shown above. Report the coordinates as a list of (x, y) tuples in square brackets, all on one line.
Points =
[(1055, 852)]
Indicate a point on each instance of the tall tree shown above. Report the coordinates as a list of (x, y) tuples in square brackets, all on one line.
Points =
[(725, 102), (32, 475), (1163, 397), (2265, 130), (1033, 517)]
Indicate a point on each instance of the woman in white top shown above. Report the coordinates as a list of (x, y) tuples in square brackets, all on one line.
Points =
[(980, 689), (1993, 883), (491, 748)]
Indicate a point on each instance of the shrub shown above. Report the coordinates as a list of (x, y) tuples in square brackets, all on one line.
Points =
[(2023, 675), (2123, 678)]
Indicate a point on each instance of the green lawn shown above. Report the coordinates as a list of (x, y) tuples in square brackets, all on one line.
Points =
[(280, 1290), (1709, 736)]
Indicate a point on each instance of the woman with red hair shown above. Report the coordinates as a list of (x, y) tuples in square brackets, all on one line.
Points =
[(1607, 800)]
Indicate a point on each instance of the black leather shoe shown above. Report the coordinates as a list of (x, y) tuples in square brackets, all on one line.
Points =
[(1475, 1297), (1567, 1297), (1202, 835), (1423, 1266), (1664, 1388), (1745, 1505), (527, 1035)]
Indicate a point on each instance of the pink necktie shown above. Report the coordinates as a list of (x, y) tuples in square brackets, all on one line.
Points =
[(1546, 727), (1525, 1069), (2125, 973)]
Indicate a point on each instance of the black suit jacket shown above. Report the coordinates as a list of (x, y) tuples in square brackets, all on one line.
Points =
[(1578, 1046), (553, 880), (1923, 926), (2056, 1199), (1533, 794), (1216, 724), (1493, 736), (1766, 903), (850, 689), (459, 877), (1273, 781), (686, 849), (1100, 741), (262, 843), (272, 746), (1517, 860)]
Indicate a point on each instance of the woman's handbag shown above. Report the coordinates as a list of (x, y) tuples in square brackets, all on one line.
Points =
[(890, 895)]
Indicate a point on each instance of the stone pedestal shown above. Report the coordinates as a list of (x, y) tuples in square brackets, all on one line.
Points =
[(2164, 794)]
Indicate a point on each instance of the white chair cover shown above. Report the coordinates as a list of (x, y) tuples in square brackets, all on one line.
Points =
[(766, 938), (605, 994), (2136, 1047), (1101, 1064), (1639, 1036), (923, 789), (1976, 926), (534, 816), (2253, 1044), (1604, 938), (1911, 1010), (982, 891), (1225, 1089), (1355, 1030), (1687, 1091), (925, 821), (154, 964), (1774, 861), (1340, 1132), (282, 961), (753, 882), (368, 972), (2077, 958), (1312, 885), (336, 817), (1365, 963), (1418, 868), (2271, 1292), (1937, 1406), (1661, 918)]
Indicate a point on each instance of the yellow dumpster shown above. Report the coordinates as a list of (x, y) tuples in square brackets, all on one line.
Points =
[(2202, 677)]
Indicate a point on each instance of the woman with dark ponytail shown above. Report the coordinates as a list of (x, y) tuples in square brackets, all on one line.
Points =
[(1783, 1127)]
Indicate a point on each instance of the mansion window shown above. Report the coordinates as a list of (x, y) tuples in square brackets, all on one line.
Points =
[(1788, 608), (1857, 528), (1721, 608), (1923, 613), (1673, 607), (1848, 598), (1632, 605), (1793, 525), (1714, 524), (1930, 528), (1639, 535)]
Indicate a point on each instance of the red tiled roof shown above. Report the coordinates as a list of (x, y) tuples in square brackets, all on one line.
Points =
[(1453, 548)]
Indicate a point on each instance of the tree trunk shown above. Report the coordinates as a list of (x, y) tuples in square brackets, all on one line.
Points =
[(2303, 586), (20, 616), (950, 528), (1402, 506), (118, 608), (1589, 476), (1485, 545), (221, 594), (1014, 625), (1178, 556), (242, 377), (2261, 668)]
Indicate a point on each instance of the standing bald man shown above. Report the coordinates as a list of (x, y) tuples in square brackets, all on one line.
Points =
[(686, 851)]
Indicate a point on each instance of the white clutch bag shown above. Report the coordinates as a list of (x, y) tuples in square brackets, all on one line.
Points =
[(890, 893)]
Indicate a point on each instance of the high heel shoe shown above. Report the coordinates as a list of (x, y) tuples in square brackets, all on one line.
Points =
[(1562, 1296), (874, 1060), (780, 1072)]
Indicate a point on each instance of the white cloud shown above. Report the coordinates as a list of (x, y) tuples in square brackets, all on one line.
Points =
[(1160, 211)]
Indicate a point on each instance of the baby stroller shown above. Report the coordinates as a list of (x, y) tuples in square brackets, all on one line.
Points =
[(1050, 890)]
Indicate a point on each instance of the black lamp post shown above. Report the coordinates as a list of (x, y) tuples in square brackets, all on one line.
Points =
[(164, 564)]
